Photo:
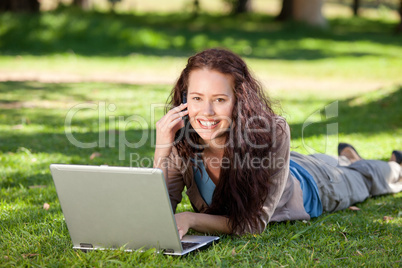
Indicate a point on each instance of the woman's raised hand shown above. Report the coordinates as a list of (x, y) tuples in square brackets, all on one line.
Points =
[(167, 127)]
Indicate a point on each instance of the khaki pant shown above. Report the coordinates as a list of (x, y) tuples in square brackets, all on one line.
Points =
[(341, 183)]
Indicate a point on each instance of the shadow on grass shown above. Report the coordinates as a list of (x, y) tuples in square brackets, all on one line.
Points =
[(80, 144), (344, 224), (51, 148), (370, 113), (180, 34), (29, 90)]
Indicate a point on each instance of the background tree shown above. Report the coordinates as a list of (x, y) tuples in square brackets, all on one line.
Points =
[(19, 5), (239, 6), (84, 4), (196, 7), (286, 10), (113, 4), (308, 11), (243, 6), (355, 7), (399, 27)]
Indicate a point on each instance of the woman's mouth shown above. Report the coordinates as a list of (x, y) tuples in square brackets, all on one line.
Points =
[(208, 124)]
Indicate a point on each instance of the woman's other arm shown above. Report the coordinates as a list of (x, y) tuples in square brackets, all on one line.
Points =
[(203, 223), (166, 129)]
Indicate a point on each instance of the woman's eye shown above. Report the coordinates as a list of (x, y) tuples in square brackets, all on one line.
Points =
[(196, 98), (220, 100)]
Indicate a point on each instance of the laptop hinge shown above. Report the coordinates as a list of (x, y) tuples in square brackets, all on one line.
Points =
[(168, 250)]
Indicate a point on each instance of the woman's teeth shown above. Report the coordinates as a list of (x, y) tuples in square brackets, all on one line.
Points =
[(208, 123)]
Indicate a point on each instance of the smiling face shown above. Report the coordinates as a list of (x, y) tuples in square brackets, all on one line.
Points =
[(210, 104)]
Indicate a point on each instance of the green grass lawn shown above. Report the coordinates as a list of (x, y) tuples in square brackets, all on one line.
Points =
[(32, 118), (309, 71)]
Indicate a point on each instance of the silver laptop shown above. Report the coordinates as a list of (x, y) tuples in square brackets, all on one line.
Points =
[(120, 207)]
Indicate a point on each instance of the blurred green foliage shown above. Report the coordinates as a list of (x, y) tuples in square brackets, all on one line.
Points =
[(179, 34)]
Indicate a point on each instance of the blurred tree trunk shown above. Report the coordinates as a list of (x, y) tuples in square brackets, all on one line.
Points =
[(19, 5), (355, 7), (84, 4), (112, 5), (286, 11), (308, 11), (399, 27), (196, 7), (239, 6), (242, 6)]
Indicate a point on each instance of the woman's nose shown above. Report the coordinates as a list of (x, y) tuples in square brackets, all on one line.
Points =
[(208, 109)]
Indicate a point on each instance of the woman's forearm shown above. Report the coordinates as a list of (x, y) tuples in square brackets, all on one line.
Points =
[(207, 223), (203, 223), (161, 162)]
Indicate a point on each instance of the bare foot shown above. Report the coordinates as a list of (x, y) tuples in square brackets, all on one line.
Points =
[(350, 154)]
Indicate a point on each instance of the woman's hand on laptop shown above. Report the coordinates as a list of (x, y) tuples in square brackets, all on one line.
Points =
[(201, 222), (182, 222)]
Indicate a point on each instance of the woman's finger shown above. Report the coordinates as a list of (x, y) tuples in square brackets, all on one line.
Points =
[(178, 115), (182, 224), (173, 119), (173, 114), (172, 124), (181, 233), (178, 108)]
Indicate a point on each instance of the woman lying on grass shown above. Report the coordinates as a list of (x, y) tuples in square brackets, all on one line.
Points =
[(232, 152)]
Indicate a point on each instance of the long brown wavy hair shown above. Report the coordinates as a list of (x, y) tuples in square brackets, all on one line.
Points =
[(241, 190)]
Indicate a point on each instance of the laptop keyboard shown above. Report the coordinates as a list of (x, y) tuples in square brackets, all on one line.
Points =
[(187, 245)]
